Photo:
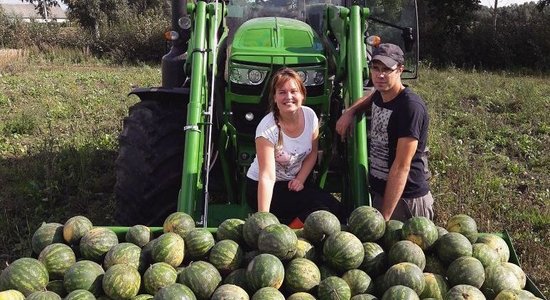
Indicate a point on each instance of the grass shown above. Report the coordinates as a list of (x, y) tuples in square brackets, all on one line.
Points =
[(59, 124)]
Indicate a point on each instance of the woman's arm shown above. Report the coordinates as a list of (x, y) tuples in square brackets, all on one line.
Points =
[(297, 183), (265, 152)]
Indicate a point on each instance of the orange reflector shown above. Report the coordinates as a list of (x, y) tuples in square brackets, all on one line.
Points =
[(374, 40), (171, 35)]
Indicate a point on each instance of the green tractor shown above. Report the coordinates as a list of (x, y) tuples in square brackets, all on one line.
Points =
[(186, 145)]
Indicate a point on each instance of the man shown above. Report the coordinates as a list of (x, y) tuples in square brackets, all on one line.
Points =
[(398, 137)]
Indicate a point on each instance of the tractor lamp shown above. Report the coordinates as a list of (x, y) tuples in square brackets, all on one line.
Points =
[(249, 116), (303, 76), (255, 76), (319, 78), (171, 35)]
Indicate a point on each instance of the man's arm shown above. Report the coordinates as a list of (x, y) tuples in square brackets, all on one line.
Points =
[(399, 171), (359, 106)]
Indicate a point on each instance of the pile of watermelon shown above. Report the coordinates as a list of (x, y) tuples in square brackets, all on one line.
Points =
[(260, 258)]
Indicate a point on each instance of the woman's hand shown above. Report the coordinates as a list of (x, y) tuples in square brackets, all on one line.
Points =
[(295, 185)]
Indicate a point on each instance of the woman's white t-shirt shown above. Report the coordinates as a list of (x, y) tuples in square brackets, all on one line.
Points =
[(288, 160)]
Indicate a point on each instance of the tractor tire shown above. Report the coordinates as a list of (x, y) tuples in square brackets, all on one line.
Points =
[(149, 163)]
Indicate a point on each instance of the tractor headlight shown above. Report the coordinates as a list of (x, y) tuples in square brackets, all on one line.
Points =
[(247, 75), (255, 76), (312, 77), (319, 78), (303, 76)]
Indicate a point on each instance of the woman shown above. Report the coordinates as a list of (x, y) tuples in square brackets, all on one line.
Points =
[(286, 152)]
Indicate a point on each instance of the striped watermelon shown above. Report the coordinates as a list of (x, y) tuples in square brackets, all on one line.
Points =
[(168, 248), (421, 231), (202, 278), (301, 275), (485, 254), (466, 270), (367, 223), (43, 295), (407, 251), (123, 253), (26, 275), (304, 249), (343, 251), (143, 297), (198, 243), (175, 291), (434, 265), (75, 228), (436, 286), (46, 234), (121, 281), (320, 224), (496, 243), (268, 293), (364, 297), (57, 287), (254, 225), (464, 292), (358, 281), (392, 234), (157, 276), (301, 296), (96, 243), (80, 295), (226, 256), (400, 292), (375, 259), (265, 270), (84, 275), (57, 258), (11, 295), (139, 235), (406, 274), (452, 246), (463, 224), (229, 292), (231, 229), (510, 294), (238, 278), (518, 272), (279, 240), (179, 223), (333, 288), (498, 278)]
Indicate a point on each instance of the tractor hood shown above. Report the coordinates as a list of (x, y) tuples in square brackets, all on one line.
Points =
[(279, 41)]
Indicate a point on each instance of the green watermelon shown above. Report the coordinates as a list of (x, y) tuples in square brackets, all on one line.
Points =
[(202, 278), (96, 243), (268, 293), (168, 248), (464, 225), (80, 295), (327, 271), (464, 292), (498, 278), (301, 296), (142, 297), (400, 292), (441, 231), (367, 223), (254, 225), (179, 223), (57, 258), (121, 281), (75, 228), (139, 235), (518, 272), (406, 274), (11, 295), (485, 254), (175, 291), (226, 256), (198, 243), (333, 288), (358, 281), (157, 276), (279, 240), (231, 229), (238, 278), (229, 292), (375, 259), (434, 265), (364, 297), (46, 234), (320, 224), (26, 275), (343, 251), (123, 253), (466, 270), (84, 275), (265, 270), (496, 243), (510, 294), (407, 251), (57, 287), (436, 286), (43, 295), (304, 249), (392, 234), (452, 246), (301, 275), (421, 231)]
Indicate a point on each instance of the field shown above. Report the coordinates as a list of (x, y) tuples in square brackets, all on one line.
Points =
[(59, 123)]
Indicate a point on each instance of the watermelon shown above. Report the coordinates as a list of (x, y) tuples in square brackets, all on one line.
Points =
[(333, 288), (304, 249), (121, 281), (57, 258), (407, 251), (466, 270), (175, 291), (179, 223), (375, 259), (320, 224), (464, 292), (485, 254), (400, 292), (96, 243), (364, 297), (254, 225), (436, 286), (406, 274), (301, 275), (231, 229), (80, 295), (421, 231), (279, 240), (358, 281), (343, 251), (43, 295), (229, 292), (198, 243), (301, 296), (327, 271), (518, 272), (367, 223), (265, 270), (496, 243), (157, 276), (464, 225), (434, 265), (202, 278), (75, 228), (452, 246), (510, 294), (268, 293), (392, 234), (168, 248), (498, 278), (26, 275), (11, 295), (46, 234), (123, 253), (142, 297), (57, 287), (238, 278), (441, 231), (139, 235), (84, 275), (226, 256)]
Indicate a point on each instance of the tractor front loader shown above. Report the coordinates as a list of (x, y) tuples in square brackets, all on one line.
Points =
[(186, 145)]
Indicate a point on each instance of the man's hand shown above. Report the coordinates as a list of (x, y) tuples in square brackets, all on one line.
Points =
[(344, 124)]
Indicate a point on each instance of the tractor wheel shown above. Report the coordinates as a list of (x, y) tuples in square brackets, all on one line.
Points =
[(149, 163)]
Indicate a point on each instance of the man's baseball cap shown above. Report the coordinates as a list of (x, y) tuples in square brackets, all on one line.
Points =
[(388, 54)]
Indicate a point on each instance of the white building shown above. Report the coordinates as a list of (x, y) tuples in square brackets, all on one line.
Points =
[(27, 13)]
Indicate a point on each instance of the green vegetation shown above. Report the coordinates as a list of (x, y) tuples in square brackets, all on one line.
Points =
[(58, 141)]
